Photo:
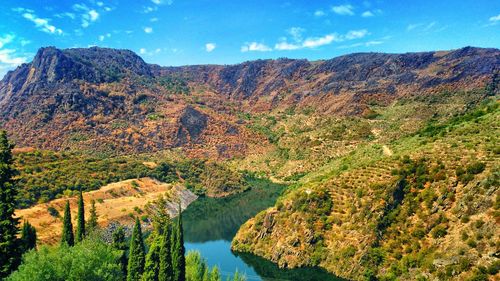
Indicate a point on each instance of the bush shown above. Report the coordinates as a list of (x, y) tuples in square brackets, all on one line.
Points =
[(89, 260), (439, 231), (53, 212), (476, 168)]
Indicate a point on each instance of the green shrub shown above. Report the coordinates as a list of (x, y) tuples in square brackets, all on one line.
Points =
[(53, 212), (439, 231), (476, 168), (88, 260)]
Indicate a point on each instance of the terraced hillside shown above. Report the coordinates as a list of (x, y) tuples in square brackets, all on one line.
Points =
[(428, 209)]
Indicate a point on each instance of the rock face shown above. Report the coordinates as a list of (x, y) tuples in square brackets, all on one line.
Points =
[(111, 100), (192, 123)]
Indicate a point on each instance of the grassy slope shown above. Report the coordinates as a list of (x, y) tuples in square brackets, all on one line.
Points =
[(343, 214)]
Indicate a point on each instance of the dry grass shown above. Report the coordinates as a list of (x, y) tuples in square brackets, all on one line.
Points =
[(114, 202)]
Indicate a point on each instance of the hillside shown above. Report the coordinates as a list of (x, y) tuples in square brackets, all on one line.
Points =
[(108, 100), (428, 209)]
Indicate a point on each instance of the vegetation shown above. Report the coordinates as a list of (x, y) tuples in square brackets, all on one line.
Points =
[(91, 259), (406, 194), (67, 237), (136, 259), (46, 175), (10, 250), (80, 226), (28, 237)]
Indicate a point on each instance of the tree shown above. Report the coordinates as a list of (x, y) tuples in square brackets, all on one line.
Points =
[(137, 254), (120, 244), (80, 223), (215, 274), (67, 236), (152, 266), (28, 237), (92, 223), (178, 250), (196, 266), (9, 245), (166, 272)]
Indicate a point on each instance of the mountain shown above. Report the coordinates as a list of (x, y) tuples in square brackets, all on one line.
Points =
[(100, 99)]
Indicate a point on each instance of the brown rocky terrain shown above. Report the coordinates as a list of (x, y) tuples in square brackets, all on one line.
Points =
[(99, 99)]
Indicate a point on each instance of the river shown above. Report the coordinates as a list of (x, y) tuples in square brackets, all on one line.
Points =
[(211, 223)]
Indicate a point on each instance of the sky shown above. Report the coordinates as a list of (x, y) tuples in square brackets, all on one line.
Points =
[(184, 32)]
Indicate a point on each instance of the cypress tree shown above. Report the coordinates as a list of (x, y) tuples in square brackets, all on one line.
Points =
[(80, 223), (152, 266), (67, 236), (166, 272), (215, 275), (92, 223), (28, 237), (136, 255), (178, 250), (9, 244), (120, 244)]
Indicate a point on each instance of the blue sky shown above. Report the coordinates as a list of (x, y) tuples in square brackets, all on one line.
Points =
[(181, 32)]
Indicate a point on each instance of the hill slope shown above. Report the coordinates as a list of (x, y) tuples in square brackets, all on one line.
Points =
[(428, 209), (109, 100)]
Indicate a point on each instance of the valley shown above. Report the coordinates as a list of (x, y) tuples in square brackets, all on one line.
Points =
[(367, 166)]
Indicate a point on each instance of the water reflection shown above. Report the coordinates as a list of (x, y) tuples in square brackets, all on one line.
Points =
[(210, 224)]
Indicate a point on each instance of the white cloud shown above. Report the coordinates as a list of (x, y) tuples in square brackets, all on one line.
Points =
[(153, 19), (102, 37), (367, 14), (344, 10), (210, 47), (94, 15), (355, 34), (148, 29), (371, 43), (495, 18), (314, 42), (65, 15), (254, 46), (144, 51), (365, 44), (284, 46), (7, 58), (319, 13), (412, 26), (42, 24), (87, 14), (6, 40), (22, 10), (147, 10), (24, 42), (371, 13), (320, 41), (296, 33)]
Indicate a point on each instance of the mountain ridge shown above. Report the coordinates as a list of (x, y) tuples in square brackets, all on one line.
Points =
[(82, 90)]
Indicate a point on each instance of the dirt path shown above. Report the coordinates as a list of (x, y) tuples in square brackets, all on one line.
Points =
[(386, 150)]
